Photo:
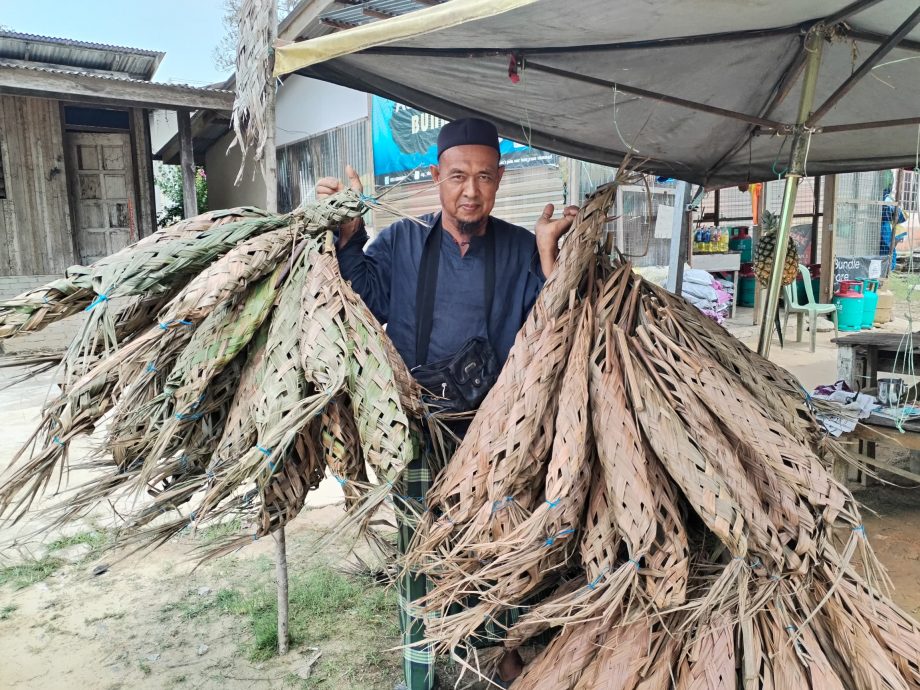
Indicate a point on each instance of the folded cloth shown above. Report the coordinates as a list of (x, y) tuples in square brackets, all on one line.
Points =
[(825, 390)]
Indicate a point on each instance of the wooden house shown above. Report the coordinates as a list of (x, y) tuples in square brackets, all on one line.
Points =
[(76, 175)]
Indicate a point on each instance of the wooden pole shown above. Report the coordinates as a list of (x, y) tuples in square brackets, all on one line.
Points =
[(270, 155), (825, 291), (281, 573), (270, 176), (680, 229), (187, 163), (755, 237)]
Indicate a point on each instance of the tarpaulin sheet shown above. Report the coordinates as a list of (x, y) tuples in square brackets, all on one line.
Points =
[(744, 56)]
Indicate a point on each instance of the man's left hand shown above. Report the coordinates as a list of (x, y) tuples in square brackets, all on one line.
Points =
[(548, 231)]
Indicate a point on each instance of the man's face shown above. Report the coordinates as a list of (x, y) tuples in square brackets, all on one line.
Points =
[(468, 177)]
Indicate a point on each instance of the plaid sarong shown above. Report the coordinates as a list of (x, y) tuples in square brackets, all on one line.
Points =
[(409, 501), (418, 659)]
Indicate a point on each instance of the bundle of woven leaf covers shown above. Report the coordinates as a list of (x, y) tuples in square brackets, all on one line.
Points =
[(638, 483)]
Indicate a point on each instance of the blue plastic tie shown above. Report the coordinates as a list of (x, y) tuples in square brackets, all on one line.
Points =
[(188, 417), (58, 441), (861, 529), (271, 466), (210, 474), (634, 562), (550, 540), (166, 324), (791, 628), (151, 368), (593, 583), (342, 481), (265, 451), (99, 300), (774, 578), (553, 504), (756, 563)]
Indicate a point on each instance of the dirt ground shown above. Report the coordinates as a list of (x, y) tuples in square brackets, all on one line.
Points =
[(156, 621)]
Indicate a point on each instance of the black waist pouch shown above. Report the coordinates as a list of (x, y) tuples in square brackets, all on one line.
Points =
[(459, 383)]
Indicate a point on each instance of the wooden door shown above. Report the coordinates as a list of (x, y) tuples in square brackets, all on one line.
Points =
[(102, 181)]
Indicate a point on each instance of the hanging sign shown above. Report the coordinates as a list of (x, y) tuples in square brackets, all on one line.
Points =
[(860, 267)]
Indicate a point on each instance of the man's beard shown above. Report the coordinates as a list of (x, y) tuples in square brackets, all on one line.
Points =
[(468, 228)]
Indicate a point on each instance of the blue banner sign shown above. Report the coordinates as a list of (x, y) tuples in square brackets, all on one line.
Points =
[(406, 139)]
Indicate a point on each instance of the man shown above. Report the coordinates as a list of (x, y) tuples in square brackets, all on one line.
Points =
[(482, 265), (892, 215)]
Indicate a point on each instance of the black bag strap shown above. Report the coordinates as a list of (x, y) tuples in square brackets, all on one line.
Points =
[(427, 285)]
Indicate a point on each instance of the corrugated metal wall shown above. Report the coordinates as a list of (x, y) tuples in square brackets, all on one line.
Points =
[(302, 163), (35, 224)]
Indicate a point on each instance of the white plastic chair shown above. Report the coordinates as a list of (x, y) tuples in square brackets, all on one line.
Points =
[(812, 309)]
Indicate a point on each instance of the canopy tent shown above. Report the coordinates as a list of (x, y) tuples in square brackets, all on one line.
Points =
[(706, 90), (715, 92)]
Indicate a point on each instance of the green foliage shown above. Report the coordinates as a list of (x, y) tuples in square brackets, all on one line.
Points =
[(209, 535), (96, 540), (325, 605), (25, 574), (7, 611), (169, 181)]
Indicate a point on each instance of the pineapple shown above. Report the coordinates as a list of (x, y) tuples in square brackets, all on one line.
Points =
[(766, 248)]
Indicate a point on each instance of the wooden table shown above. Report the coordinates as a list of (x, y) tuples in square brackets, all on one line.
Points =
[(720, 262), (860, 357)]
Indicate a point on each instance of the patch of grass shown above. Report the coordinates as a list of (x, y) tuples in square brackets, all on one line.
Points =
[(214, 533), (355, 670), (25, 574), (324, 604), (95, 540), (190, 607), (901, 285), (144, 668), (7, 611)]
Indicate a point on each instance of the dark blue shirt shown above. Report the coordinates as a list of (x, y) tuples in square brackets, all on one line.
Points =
[(386, 274)]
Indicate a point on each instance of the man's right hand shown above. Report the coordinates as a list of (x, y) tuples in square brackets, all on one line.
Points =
[(331, 185)]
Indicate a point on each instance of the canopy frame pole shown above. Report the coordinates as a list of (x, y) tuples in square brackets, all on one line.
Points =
[(870, 62), (848, 11), (778, 127), (814, 45)]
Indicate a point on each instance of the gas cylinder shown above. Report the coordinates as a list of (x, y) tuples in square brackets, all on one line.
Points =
[(745, 244), (849, 302), (870, 302)]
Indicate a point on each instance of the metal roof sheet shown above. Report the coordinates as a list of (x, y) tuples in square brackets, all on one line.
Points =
[(358, 13), (79, 55), (107, 77)]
